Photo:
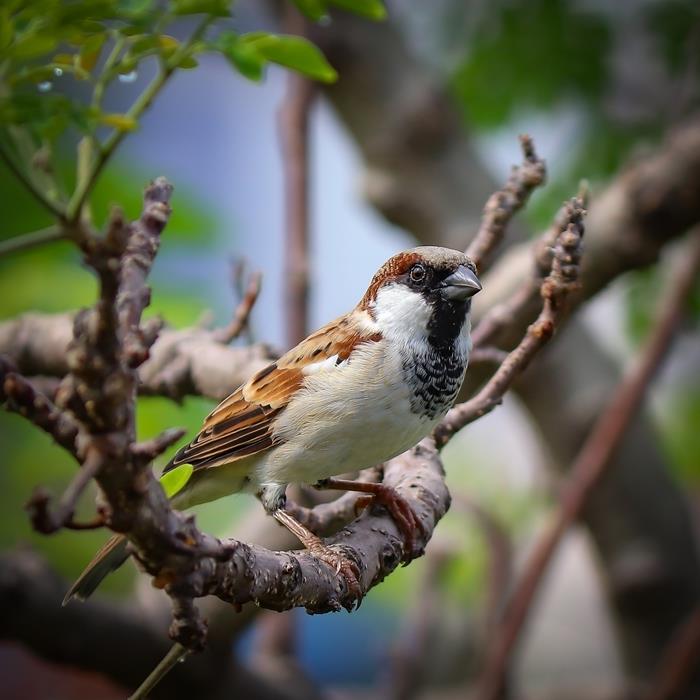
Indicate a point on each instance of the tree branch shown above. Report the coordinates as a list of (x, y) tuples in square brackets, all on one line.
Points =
[(589, 467), (555, 290), (184, 362), (20, 396)]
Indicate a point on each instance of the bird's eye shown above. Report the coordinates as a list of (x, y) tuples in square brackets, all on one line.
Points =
[(417, 273)]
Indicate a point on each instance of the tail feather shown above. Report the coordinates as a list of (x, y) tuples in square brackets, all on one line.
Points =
[(107, 560)]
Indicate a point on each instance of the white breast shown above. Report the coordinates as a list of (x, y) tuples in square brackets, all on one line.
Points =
[(348, 418)]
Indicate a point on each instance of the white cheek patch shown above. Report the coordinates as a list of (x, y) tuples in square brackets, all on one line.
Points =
[(399, 311)]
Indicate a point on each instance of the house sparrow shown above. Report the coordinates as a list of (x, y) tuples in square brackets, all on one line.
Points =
[(359, 391)]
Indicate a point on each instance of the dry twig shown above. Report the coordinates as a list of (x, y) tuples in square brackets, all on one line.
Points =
[(239, 322), (505, 203), (554, 291)]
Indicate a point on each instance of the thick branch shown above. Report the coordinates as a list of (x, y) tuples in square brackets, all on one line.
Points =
[(282, 580), (181, 363)]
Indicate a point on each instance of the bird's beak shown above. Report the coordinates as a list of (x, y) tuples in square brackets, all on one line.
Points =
[(461, 284)]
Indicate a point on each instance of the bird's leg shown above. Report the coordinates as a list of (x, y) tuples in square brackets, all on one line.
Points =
[(273, 498), (315, 545), (399, 509)]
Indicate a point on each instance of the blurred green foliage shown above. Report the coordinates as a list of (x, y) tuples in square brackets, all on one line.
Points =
[(511, 62)]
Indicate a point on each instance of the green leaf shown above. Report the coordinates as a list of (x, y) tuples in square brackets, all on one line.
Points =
[(313, 9), (188, 62), (371, 9), (292, 52), (243, 57), (33, 46), (174, 481)]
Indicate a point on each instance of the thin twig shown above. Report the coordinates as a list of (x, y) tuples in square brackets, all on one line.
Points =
[(679, 660), (487, 355), (21, 396), (32, 240), (593, 460), (47, 522), (134, 294), (504, 204), (294, 129), (503, 315), (175, 654), (554, 290), (242, 313), (30, 186), (148, 450)]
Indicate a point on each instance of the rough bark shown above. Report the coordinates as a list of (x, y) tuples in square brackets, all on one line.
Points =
[(182, 362)]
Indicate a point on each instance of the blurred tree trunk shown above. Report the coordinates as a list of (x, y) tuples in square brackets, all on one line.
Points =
[(423, 174)]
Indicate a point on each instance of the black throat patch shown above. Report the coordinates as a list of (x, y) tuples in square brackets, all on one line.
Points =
[(446, 320)]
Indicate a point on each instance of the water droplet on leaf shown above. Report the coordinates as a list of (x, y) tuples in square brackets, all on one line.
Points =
[(58, 72), (44, 86)]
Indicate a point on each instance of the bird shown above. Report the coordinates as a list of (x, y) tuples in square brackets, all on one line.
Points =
[(362, 389)]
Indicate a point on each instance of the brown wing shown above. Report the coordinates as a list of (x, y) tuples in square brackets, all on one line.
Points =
[(242, 424)]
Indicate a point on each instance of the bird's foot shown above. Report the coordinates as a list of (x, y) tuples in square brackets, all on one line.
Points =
[(408, 523), (341, 564)]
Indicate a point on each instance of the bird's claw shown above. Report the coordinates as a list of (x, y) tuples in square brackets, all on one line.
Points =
[(342, 565), (408, 523)]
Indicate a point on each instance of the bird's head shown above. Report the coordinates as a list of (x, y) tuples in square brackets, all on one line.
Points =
[(425, 290)]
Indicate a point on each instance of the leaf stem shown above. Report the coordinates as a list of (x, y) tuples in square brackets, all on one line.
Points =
[(33, 239), (176, 654)]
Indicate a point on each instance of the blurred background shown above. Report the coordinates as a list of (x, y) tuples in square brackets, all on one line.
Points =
[(406, 147)]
